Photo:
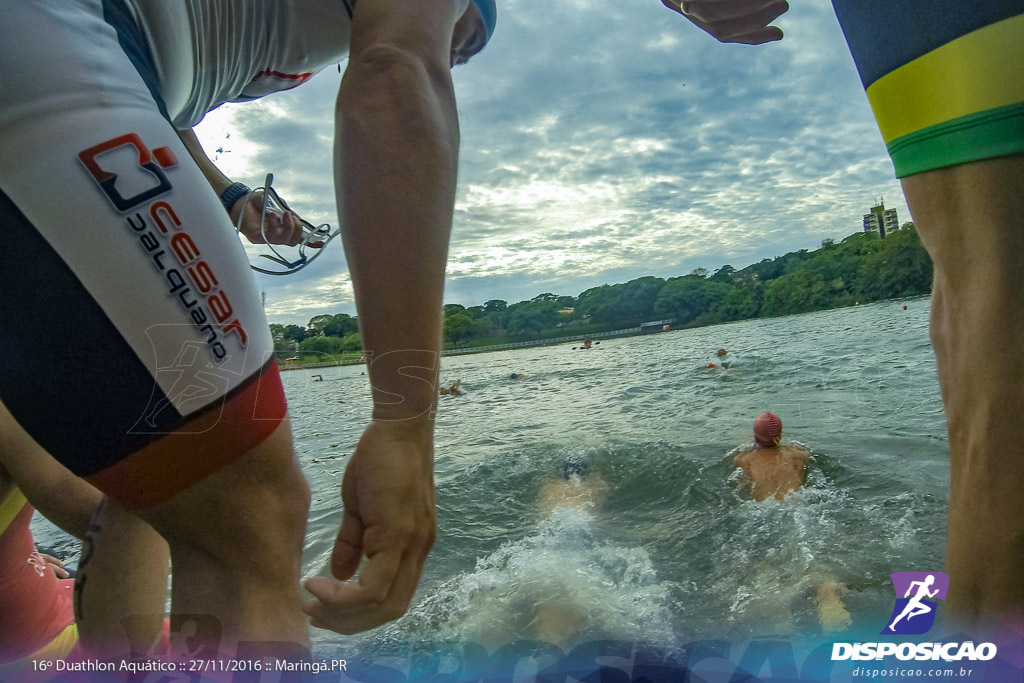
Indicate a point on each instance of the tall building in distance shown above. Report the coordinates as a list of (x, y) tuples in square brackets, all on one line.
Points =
[(881, 219)]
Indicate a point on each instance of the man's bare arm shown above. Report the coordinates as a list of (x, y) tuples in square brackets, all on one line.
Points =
[(396, 155), (60, 496)]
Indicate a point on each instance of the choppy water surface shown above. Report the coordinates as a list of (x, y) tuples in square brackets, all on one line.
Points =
[(676, 551)]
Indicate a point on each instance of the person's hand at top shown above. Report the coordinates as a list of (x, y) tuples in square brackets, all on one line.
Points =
[(279, 228), (388, 496), (734, 21)]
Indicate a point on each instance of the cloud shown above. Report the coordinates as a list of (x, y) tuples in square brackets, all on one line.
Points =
[(603, 143)]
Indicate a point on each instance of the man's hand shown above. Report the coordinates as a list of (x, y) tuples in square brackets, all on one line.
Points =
[(388, 494), (734, 21), (284, 228), (57, 565)]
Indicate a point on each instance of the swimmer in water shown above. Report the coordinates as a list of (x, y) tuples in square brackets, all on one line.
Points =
[(575, 487), (517, 375), (453, 389), (556, 620), (773, 468), (776, 469), (722, 362)]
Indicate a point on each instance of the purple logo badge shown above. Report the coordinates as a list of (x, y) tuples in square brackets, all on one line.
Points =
[(917, 595)]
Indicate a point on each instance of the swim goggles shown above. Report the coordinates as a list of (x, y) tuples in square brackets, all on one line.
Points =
[(289, 259)]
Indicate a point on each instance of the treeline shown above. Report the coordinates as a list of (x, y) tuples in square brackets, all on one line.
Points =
[(861, 268)]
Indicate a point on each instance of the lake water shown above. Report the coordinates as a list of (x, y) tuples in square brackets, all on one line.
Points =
[(677, 550)]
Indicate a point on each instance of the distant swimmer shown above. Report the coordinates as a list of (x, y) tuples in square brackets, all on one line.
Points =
[(517, 375), (318, 378), (722, 363), (915, 607), (453, 389), (774, 469)]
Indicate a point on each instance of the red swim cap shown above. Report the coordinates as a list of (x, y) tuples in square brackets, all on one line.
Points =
[(767, 430)]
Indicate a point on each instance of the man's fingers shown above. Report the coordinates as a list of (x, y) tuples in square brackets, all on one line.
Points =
[(352, 608), (741, 30), (379, 573), (712, 11), (348, 548), (768, 34), (734, 21)]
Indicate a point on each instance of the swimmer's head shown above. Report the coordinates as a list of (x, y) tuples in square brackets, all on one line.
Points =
[(720, 352), (767, 430), (573, 466)]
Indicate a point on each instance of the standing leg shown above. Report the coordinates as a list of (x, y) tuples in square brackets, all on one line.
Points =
[(971, 220), (121, 585)]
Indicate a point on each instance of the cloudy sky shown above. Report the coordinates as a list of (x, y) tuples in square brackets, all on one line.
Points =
[(602, 141)]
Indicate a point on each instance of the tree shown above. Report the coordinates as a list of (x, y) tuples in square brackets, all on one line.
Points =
[(902, 268), (737, 304), (528, 317), (316, 324), (450, 309), (458, 327), (322, 345), (341, 325), (797, 292), (686, 298), (724, 274), (627, 304), (352, 343), (294, 333), (495, 306)]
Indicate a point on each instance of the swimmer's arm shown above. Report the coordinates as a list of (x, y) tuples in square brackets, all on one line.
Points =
[(396, 154), (734, 21), (51, 488)]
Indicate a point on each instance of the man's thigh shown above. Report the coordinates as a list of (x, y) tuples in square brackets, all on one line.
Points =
[(135, 349)]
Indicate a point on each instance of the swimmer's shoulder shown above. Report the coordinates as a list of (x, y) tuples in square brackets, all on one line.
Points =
[(742, 459), (796, 452)]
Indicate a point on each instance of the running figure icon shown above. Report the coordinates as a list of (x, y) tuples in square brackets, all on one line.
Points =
[(915, 607)]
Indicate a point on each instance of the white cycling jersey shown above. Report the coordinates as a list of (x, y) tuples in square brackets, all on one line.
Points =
[(207, 52)]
